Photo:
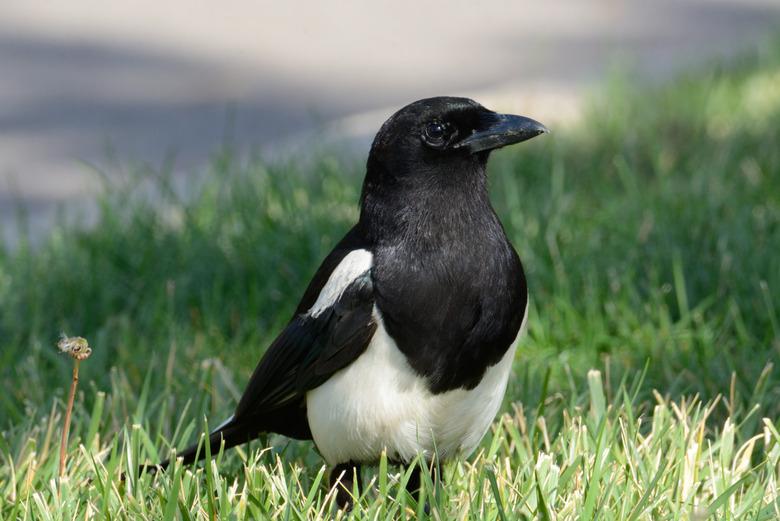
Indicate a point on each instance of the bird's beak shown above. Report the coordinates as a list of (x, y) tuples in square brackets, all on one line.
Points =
[(500, 130)]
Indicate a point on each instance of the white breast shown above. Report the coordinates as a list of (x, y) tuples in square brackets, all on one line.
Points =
[(378, 403)]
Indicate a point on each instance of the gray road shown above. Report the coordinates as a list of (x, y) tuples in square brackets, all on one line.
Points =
[(109, 84)]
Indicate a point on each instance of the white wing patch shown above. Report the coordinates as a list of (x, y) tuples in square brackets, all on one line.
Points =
[(355, 264)]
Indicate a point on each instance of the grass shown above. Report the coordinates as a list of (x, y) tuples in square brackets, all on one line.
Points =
[(649, 233)]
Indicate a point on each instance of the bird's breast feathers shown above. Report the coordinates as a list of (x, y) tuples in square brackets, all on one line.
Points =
[(379, 402)]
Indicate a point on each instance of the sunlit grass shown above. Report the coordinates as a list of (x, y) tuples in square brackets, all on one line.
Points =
[(605, 459)]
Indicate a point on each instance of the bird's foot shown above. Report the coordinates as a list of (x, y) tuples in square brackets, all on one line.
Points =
[(344, 477)]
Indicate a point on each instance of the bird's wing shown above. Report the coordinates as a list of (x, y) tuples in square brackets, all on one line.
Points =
[(332, 333)]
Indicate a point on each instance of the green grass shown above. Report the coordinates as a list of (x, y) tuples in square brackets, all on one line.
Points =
[(650, 234)]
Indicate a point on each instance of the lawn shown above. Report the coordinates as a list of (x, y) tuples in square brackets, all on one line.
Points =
[(647, 387)]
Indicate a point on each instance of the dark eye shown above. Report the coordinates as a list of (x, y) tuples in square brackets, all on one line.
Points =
[(437, 134), (435, 130)]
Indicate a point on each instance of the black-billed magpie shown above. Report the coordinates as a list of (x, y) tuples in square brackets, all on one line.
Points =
[(404, 339)]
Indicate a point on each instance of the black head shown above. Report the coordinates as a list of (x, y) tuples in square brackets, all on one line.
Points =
[(440, 141)]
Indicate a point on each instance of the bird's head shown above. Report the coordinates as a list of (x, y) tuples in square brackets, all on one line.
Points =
[(440, 141)]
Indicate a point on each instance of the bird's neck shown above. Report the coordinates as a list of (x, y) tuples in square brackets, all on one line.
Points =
[(428, 210)]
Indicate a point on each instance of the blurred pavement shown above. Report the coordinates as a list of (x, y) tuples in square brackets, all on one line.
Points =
[(106, 83)]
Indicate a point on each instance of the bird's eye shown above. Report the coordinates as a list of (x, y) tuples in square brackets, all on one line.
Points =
[(437, 134), (435, 130)]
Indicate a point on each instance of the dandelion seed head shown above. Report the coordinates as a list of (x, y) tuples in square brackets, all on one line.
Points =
[(75, 346)]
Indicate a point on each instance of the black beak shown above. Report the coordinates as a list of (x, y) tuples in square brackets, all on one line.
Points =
[(500, 130)]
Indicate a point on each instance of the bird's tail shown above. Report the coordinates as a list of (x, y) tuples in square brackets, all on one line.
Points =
[(231, 433)]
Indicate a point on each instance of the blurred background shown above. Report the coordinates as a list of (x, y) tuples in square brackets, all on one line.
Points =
[(94, 86)]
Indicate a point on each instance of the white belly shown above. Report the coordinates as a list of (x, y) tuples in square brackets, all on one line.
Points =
[(379, 403)]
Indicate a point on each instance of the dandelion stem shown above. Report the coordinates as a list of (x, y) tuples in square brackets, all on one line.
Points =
[(68, 410)]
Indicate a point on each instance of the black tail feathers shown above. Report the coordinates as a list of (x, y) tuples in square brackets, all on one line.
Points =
[(231, 433)]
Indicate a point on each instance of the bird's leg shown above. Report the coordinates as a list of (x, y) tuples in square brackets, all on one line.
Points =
[(344, 477), (414, 485), (415, 480)]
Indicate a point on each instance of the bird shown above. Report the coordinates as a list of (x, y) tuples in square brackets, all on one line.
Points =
[(404, 339)]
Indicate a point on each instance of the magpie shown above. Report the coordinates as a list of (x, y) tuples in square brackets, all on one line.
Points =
[(404, 339)]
